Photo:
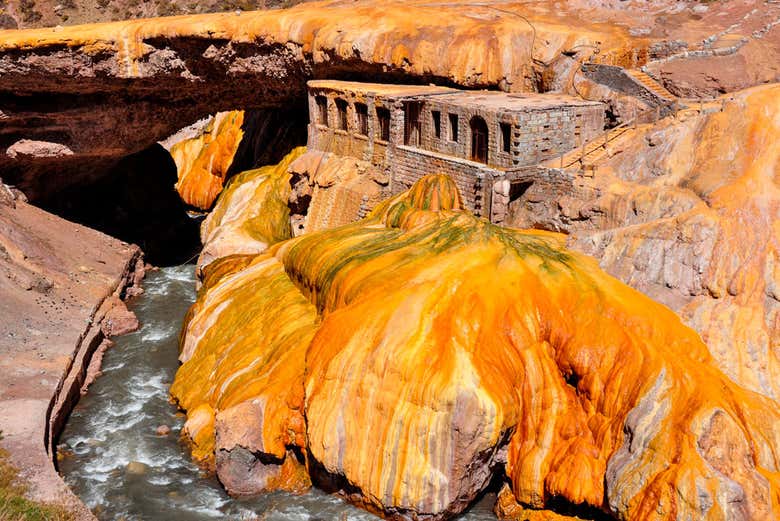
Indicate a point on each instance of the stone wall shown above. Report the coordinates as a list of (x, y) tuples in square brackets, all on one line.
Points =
[(349, 142), (535, 136), (474, 180), (529, 197)]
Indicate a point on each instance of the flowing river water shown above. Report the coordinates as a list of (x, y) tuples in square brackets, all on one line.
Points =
[(114, 460)]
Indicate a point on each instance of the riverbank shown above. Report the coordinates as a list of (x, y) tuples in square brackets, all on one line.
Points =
[(61, 286)]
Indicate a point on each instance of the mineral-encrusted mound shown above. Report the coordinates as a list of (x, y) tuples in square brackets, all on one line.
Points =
[(407, 359), (251, 214)]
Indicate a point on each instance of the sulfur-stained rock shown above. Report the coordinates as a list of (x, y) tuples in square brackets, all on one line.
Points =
[(420, 351), (198, 431), (252, 213), (305, 191), (687, 211), (254, 381), (203, 161), (507, 508)]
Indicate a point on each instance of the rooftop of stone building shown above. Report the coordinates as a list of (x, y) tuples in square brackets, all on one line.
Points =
[(388, 90), (481, 99), (511, 102)]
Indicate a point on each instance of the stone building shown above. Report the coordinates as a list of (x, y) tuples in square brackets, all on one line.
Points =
[(485, 140)]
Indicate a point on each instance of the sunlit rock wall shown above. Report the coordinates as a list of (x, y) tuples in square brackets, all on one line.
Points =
[(203, 161), (89, 95), (406, 359), (331, 190)]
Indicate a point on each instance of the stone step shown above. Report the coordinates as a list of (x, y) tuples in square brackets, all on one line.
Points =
[(649, 83), (593, 149)]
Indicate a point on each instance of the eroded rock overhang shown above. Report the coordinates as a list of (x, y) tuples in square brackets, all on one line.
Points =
[(99, 92)]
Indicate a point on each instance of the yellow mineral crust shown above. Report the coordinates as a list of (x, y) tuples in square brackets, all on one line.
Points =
[(202, 162), (245, 347), (251, 214), (428, 347)]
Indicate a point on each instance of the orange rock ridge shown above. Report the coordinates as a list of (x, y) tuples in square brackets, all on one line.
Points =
[(430, 349), (203, 161)]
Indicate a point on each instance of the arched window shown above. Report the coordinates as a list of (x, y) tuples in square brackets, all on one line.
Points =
[(479, 140)]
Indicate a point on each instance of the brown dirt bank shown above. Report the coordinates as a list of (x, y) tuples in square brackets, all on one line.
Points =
[(59, 284)]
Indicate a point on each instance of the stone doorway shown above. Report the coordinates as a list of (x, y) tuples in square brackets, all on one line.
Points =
[(479, 140), (412, 124)]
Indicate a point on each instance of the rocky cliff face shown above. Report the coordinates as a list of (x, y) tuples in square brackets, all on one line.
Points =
[(77, 99), (208, 153), (406, 359), (60, 289)]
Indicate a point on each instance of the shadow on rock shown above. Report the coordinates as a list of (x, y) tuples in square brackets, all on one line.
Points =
[(137, 203)]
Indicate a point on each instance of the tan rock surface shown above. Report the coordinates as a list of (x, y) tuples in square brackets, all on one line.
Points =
[(331, 190), (706, 205)]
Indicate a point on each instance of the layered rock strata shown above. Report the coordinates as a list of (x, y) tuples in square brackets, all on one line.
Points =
[(407, 359)]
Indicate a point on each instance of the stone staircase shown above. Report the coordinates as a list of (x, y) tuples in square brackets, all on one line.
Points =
[(633, 82), (605, 144), (594, 150), (652, 85)]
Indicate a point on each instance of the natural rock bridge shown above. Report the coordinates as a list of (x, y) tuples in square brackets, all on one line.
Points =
[(74, 100)]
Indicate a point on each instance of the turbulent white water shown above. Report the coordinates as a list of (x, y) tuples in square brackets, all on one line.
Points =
[(113, 459)]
